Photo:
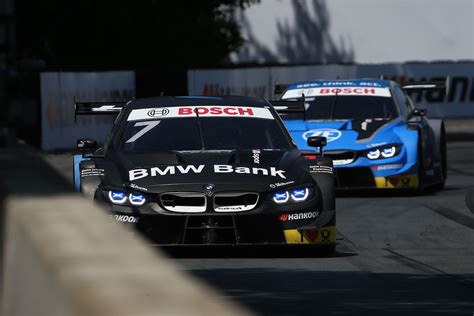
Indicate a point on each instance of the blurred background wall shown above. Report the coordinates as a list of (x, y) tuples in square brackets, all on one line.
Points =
[(361, 31)]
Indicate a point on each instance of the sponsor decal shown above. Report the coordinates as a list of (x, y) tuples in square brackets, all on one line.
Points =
[(387, 167), (256, 156), (331, 91), (330, 134), (272, 171), (321, 169), (405, 181), (340, 84), (376, 145), (126, 218), (216, 110), (341, 162), (311, 234), (399, 181), (231, 208), (280, 184), (91, 172), (325, 233), (136, 174), (107, 108), (364, 124), (134, 186), (202, 111), (158, 112), (298, 216)]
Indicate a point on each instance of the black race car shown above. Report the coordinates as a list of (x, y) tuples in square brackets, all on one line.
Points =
[(208, 170)]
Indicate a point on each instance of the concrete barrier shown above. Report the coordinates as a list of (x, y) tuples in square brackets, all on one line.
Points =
[(64, 256)]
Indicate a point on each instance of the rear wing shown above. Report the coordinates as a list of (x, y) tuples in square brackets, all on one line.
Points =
[(98, 108), (426, 85), (289, 107)]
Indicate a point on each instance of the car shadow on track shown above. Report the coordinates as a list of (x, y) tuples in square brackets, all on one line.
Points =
[(251, 251), (312, 291)]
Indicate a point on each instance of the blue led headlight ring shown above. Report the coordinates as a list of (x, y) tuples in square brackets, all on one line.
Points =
[(117, 197)]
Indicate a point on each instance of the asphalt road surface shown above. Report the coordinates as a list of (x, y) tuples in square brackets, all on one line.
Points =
[(396, 255)]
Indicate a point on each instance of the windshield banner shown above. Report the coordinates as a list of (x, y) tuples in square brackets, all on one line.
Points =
[(328, 91), (202, 111)]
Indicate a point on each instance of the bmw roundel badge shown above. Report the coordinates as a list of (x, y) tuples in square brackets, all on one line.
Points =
[(209, 189)]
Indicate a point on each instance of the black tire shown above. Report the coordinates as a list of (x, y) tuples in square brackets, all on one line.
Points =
[(420, 188), (444, 159)]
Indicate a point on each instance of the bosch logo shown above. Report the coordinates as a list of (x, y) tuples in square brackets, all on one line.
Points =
[(330, 134), (158, 112)]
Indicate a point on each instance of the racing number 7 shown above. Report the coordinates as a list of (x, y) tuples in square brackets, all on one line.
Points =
[(149, 125)]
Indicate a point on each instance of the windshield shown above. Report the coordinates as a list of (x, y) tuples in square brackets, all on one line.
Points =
[(348, 108), (218, 133)]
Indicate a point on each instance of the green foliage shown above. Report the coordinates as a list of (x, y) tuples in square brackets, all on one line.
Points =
[(120, 34)]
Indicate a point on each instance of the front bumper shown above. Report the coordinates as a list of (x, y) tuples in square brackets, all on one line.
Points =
[(399, 172), (365, 178), (267, 223), (301, 227), (360, 172)]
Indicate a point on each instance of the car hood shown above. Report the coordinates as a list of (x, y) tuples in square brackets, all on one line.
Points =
[(345, 134), (254, 170)]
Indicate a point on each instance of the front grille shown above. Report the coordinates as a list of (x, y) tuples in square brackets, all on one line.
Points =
[(235, 201), (341, 157), (354, 178), (184, 202)]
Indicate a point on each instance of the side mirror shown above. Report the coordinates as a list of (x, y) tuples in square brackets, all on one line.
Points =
[(86, 145), (419, 112), (318, 142)]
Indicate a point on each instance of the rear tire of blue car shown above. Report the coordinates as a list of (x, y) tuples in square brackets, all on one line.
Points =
[(443, 161)]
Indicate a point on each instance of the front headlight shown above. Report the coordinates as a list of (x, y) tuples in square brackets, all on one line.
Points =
[(121, 197), (281, 197), (383, 152), (299, 195), (388, 152), (117, 197), (291, 196), (373, 154), (137, 199)]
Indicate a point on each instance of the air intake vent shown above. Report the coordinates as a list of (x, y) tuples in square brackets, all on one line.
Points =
[(184, 202), (235, 202), (340, 157)]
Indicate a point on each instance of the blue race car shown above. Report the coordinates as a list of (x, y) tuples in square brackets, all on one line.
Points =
[(375, 136)]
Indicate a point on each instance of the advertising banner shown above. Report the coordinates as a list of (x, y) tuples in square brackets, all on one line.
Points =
[(59, 90), (259, 82)]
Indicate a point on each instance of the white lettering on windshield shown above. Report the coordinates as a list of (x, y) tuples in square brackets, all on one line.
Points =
[(149, 125)]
